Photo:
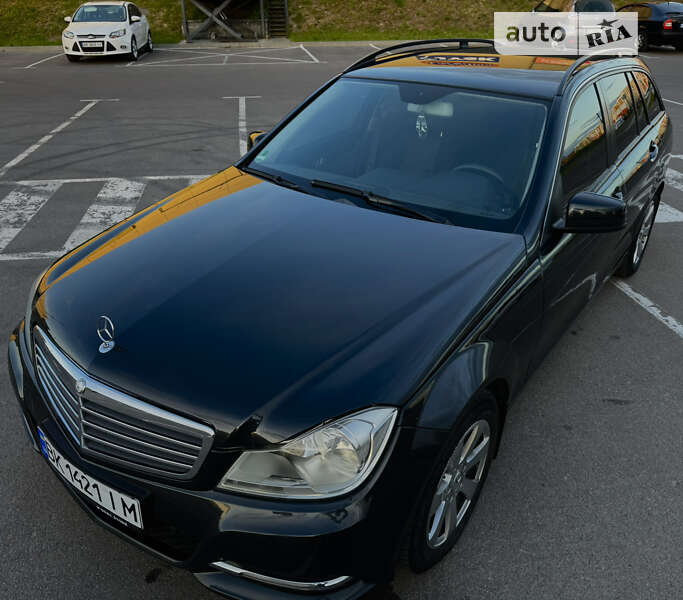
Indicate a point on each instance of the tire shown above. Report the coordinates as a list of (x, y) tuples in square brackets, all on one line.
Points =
[(134, 52), (643, 41), (634, 257), (149, 46), (72, 57), (429, 541)]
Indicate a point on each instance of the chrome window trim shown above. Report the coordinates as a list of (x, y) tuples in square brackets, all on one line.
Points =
[(99, 395), (303, 586)]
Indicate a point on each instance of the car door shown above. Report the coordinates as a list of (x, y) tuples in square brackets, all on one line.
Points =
[(629, 150), (640, 165), (138, 27), (576, 265)]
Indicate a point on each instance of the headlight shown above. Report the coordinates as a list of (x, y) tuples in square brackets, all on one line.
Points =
[(118, 33), (29, 311), (68, 34), (330, 460)]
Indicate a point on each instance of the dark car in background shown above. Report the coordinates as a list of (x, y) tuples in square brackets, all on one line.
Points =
[(574, 6), (283, 375), (659, 24)]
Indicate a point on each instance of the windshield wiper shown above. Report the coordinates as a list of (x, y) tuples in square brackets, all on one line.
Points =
[(278, 179), (379, 201)]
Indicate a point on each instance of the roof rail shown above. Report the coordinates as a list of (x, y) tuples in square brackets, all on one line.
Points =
[(581, 62), (371, 59)]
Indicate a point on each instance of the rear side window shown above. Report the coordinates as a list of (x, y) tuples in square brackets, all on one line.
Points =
[(638, 102), (584, 155), (649, 94), (619, 105)]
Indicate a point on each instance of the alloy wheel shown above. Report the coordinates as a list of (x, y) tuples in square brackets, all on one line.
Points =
[(644, 234), (459, 483), (134, 48), (150, 46)]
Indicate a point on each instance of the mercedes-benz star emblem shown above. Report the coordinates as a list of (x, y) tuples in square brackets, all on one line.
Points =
[(80, 386), (105, 331)]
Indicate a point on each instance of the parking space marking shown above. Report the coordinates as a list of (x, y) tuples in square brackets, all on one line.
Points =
[(375, 47), (20, 206), (32, 65), (674, 179), (673, 101), (668, 214), (313, 58), (116, 201), (241, 120), (650, 307), (226, 58), (46, 138)]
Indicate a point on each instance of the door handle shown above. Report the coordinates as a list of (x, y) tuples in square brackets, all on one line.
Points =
[(654, 152)]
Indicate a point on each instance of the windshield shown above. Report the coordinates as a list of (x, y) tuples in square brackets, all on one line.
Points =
[(466, 155), (100, 13)]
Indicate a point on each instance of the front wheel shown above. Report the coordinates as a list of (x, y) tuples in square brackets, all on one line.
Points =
[(455, 485), (634, 257), (134, 52), (149, 45)]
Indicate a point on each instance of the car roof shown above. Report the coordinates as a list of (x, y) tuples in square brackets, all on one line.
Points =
[(112, 2), (534, 76)]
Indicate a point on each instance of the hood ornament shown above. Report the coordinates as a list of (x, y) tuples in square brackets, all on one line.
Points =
[(105, 331)]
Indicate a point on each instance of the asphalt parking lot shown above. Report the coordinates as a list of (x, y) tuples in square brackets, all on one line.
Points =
[(586, 496)]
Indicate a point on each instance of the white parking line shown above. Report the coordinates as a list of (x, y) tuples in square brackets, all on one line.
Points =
[(668, 214), (241, 120), (650, 307), (313, 58), (42, 61), (20, 206), (375, 47), (674, 179), (673, 101), (116, 201), (46, 138)]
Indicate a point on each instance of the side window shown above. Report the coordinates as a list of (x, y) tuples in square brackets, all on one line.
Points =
[(584, 155), (647, 90), (615, 91), (638, 102)]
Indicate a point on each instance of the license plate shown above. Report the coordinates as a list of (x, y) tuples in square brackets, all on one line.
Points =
[(91, 44), (113, 502)]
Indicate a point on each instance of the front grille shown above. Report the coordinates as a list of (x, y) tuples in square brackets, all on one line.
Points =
[(92, 36), (115, 427)]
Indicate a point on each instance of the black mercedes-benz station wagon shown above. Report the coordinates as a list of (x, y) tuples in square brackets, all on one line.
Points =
[(286, 375)]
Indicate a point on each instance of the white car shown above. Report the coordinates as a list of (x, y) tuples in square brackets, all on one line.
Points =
[(106, 29)]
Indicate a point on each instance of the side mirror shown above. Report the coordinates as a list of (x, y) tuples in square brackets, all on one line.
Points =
[(593, 213), (67, 19), (254, 138), (134, 19)]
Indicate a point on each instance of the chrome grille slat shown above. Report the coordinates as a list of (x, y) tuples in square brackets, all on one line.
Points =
[(66, 392), (134, 452), (50, 376), (122, 424), (57, 408), (115, 427), (152, 447)]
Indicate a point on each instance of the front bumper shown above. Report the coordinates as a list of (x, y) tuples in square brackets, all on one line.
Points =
[(109, 47), (248, 547)]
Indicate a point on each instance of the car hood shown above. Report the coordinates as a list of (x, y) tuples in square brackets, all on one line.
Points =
[(96, 28), (243, 303)]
